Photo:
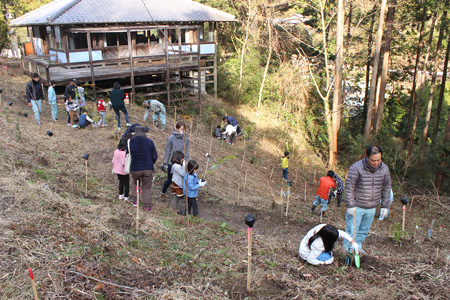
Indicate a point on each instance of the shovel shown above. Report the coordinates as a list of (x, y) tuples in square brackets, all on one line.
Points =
[(357, 261)]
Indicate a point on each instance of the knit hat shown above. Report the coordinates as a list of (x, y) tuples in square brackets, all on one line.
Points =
[(145, 102), (139, 131)]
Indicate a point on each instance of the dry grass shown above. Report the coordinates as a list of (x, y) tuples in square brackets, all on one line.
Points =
[(84, 247)]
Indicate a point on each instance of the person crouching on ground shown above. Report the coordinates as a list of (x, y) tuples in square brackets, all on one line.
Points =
[(316, 247), (230, 131), (178, 172), (158, 110), (192, 186), (118, 166), (143, 157), (84, 121), (326, 183)]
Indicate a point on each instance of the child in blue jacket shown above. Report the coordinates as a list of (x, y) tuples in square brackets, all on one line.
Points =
[(193, 184)]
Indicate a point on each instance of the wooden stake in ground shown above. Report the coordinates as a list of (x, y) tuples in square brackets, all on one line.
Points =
[(295, 177), (314, 174), (305, 190), (196, 133), (243, 157), (271, 172), (207, 162), (238, 195), (33, 283), (405, 202), (245, 180), (431, 229), (86, 157), (321, 215), (287, 203), (249, 221), (138, 189)]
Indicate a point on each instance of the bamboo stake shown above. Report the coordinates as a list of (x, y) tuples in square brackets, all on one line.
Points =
[(412, 200), (242, 163), (295, 177), (34, 284), (305, 190), (404, 217), (137, 206), (206, 169), (287, 204), (249, 268), (293, 148), (86, 175), (321, 213), (282, 202), (271, 173), (210, 145), (314, 174), (238, 195), (196, 133), (245, 180)]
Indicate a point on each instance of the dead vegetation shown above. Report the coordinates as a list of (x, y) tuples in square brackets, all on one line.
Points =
[(84, 247)]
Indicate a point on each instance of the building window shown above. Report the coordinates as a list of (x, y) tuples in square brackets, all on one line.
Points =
[(58, 38), (207, 32), (123, 38), (154, 36), (77, 41), (111, 39)]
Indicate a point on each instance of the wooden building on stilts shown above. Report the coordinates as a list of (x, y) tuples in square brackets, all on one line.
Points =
[(162, 49)]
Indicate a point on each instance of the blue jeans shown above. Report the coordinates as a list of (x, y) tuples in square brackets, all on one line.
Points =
[(54, 110), (285, 173), (117, 111), (323, 203), (162, 117), (168, 182), (36, 105), (102, 118), (364, 219)]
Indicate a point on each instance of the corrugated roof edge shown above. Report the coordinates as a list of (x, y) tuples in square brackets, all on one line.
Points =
[(18, 21)]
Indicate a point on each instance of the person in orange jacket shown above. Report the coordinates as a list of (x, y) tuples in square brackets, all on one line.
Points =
[(326, 183)]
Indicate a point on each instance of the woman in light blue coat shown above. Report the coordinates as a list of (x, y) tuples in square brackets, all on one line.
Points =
[(52, 100)]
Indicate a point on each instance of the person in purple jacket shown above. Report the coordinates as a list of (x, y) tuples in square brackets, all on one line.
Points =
[(143, 157)]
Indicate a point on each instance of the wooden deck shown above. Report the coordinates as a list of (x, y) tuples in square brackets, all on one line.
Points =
[(63, 75)]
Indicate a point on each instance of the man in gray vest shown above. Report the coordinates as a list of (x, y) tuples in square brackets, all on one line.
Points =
[(158, 110)]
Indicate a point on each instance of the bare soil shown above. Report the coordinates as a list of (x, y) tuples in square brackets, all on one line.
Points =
[(85, 246)]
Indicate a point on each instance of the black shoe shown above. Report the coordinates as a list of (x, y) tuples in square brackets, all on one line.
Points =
[(313, 208)]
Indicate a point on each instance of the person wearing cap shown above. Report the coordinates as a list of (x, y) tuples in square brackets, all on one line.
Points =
[(143, 157), (35, 95), (116, 97), (52, 100), (158, 110), (368, 183)]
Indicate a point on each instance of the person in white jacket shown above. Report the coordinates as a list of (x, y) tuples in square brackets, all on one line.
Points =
[(316, 247)]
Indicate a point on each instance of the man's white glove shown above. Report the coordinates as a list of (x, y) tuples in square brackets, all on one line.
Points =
[(356, 247), (202, 183), (383, 213), (351, 211)]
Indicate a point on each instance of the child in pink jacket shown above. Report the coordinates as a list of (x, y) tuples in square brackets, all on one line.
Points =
[(118, 166)]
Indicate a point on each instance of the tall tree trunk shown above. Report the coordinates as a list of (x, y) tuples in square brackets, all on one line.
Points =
[(267, 64), (373, 85), (336, 115), (433, 81), (244, 46), (423, 77), (413, 89), (385, 64), (349, 24), (441, 93), (440, 175), (369, 55)]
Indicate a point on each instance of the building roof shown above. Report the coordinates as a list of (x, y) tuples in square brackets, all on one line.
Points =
[(64, 12)]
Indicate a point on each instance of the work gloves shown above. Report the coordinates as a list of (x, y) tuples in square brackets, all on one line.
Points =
[(164, 168), (351, 211), (202, 183), (355, 247), (383, 213)]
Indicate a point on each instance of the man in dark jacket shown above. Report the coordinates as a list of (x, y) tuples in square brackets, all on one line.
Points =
[(69, 92), (116, 96), (368, 184), (35, 95)]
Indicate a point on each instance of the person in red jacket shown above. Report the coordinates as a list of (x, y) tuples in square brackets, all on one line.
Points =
[(101, 107), (326, 183)]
